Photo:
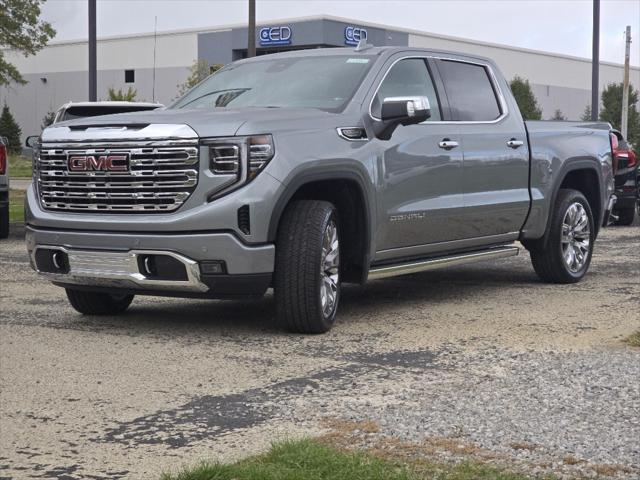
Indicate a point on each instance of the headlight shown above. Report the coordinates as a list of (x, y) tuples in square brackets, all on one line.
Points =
[(260, 152), (243, 157)]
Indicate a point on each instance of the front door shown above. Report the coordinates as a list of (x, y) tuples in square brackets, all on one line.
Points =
[(420, 168)]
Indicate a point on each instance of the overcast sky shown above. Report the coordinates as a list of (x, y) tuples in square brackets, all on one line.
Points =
[(562, 26)]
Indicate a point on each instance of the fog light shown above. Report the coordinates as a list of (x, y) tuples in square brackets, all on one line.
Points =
[(162, 267), (51, 260), (213, 267)]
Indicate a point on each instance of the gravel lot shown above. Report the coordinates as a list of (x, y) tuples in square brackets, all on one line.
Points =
[(482, 361)]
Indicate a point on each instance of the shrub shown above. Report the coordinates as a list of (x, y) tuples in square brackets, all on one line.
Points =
[(9, 128)]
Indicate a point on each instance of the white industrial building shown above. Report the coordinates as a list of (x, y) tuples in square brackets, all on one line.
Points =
[(58, 73)]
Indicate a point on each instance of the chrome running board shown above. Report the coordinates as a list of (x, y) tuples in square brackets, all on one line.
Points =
[(448, 261)]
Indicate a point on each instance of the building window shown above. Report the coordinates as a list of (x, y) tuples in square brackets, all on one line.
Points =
[(129, 76)]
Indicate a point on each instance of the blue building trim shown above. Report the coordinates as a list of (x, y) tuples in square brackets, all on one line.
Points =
[(226, 46)]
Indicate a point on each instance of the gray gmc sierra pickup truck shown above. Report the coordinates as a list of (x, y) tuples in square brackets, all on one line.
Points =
[(303, 170)]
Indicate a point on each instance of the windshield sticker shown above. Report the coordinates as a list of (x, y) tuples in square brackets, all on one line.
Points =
[(358, 60)]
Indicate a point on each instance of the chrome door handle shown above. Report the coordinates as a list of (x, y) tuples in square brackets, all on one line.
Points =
[(447, 144), (513, 143)]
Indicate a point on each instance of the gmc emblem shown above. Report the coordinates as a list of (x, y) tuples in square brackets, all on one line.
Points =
[(100, 163)]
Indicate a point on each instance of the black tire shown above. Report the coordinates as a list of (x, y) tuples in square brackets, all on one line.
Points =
[(625, 216), (98, 303), (548, 259), (4, 221), (299, 276)]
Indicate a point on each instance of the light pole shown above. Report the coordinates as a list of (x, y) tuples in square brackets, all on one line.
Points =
[(251, 37), (625, 84), (93, 73), (595, 61)]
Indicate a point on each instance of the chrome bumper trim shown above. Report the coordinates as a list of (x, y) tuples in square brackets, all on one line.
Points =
[(119, 269)]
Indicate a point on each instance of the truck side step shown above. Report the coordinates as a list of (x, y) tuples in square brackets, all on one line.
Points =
[(448, 261)]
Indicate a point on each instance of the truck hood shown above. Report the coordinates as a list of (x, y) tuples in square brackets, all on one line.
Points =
[(205, 123)]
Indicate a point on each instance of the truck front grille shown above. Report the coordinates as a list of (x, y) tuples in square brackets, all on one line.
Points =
[(147, 177)]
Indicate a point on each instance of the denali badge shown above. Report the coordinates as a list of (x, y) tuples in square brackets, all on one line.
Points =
[(405, 217), (99, 163)]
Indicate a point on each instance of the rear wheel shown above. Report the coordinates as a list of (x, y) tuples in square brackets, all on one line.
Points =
[(98, 303), (626, 216), (307, 276), (4, 221), (566, 255)]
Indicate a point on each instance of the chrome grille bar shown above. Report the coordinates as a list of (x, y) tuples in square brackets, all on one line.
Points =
[(161, 177)]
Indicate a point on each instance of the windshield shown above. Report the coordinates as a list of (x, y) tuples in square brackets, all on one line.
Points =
[(327, 83)]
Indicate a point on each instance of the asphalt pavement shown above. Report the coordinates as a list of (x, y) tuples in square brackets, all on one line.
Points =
[(481, 361)]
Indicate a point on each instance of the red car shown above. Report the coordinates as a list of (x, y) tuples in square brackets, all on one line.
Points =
[(625, 163), (4, 189)]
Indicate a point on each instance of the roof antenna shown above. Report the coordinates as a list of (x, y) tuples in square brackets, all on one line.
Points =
[(363, 45)]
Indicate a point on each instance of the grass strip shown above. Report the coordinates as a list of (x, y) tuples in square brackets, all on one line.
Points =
[(16, 205), (19, 166), (633, 339), (310, 460)]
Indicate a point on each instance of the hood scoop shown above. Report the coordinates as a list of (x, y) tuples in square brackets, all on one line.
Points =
[(122, 127)]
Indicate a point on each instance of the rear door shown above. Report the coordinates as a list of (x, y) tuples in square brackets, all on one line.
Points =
[(495, 179)]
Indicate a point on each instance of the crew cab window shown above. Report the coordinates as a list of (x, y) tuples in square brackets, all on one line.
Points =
[(408, 78), (469, 91)]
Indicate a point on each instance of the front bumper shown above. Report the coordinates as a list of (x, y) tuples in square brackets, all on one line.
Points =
[(114, 260), (627, 195)]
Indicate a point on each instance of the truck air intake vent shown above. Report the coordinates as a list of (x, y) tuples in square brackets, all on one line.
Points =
[(244, 220), (117, 177)]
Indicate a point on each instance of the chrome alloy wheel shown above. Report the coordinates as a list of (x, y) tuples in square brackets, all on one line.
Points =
[(329, 269), (576, 237)]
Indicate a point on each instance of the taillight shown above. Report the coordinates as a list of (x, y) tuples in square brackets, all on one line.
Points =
[(3, 159), (614, 151), (614, 141), (633, 159)]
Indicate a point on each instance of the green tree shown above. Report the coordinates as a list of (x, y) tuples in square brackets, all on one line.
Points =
[(119, 95), (586, 114), (21, 30), (525, 98), (557, 115), (48, 119), (612, 110), (200, 70), (9, 128)]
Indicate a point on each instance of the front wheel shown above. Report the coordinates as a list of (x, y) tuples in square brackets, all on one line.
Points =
[(566, 255), (4, 221), (307, 275), (98, 303), (626, 216)]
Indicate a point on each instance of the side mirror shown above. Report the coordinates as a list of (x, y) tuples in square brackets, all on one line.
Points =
[(31, 141), (401, 111)]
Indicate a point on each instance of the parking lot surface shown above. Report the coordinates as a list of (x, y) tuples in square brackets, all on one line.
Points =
[(483, 361)]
